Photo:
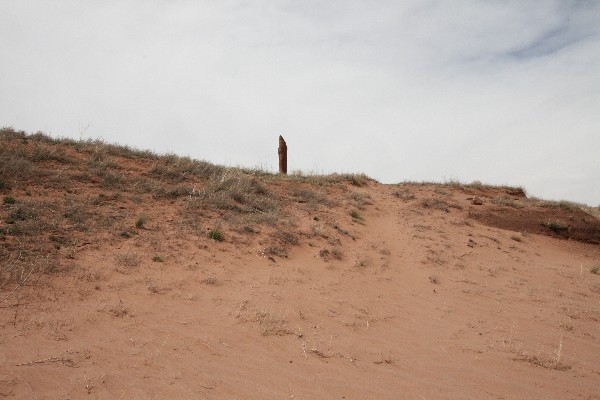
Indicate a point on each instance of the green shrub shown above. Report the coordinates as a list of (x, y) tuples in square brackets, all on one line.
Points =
[(157, 259), (20, 214), (8, 200), (215, 234), (355, 215), (141, 220), (595, 269)]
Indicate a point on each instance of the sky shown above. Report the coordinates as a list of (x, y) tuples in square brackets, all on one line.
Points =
[(499, 91)]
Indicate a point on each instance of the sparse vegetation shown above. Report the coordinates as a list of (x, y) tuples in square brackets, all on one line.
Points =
[(436, 204), (8, 200), (404, 194), (361, 262), (286, 237), (355, 215), (337, 253), (556, 226), (141, 220), (211, 281), (83, 207), (128, 259), (507, 201), (360, 199), (313, 198), (215, 234)]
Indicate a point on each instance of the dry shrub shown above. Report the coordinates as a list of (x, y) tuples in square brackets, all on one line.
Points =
[(507, 201), (337, 253), (360, 199), (543, 360), (436, 204), (242, 197), (211, 281), (128, 259), (14, 168), (286, 237), (322, 180), (274, 250), (311, 197), (177, 169), (404, 194), (271, 323)]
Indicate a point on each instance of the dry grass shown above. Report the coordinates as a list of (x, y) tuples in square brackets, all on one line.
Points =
[(313, 198), (211, 281), (549, 361), (404, 194), (271, 323), (128, 259), (326, 180), (507, 201), (436, 204)]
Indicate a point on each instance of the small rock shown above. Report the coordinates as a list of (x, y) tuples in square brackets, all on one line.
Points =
[(476, 201)]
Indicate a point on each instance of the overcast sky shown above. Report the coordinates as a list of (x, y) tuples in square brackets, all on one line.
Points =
[(505, 92)]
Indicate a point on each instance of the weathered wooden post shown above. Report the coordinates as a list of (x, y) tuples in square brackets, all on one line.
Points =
[(282, 156)]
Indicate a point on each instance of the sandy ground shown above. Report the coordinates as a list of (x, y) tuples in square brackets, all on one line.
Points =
[(405, 302)]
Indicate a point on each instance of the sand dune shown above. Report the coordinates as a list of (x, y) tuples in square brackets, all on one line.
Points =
[(333, 287)]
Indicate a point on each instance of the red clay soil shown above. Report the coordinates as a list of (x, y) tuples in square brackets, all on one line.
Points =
[(366, 292), (565, 223)]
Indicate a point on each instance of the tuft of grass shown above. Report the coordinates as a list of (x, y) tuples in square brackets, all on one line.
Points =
[(361, 263), (435, 204), (516, 238), (157, 259), (215, 234), (337, 254), (141, 220), (8, 200), (355, 215), (361, 199), (595, 269), (274, 250), (286, 237), (311, 197), (211, 281), (507, 201), (20, 214), (128, 233), (404, 194), (128, 259)]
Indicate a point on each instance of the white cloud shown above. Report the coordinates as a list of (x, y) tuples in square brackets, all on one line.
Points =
[(503, 92)]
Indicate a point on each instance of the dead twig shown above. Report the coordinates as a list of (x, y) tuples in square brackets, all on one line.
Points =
[(319, 353), (224, 344), (60, 359)]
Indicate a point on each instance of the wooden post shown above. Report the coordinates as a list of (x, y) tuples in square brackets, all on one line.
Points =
[(282, 156)]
